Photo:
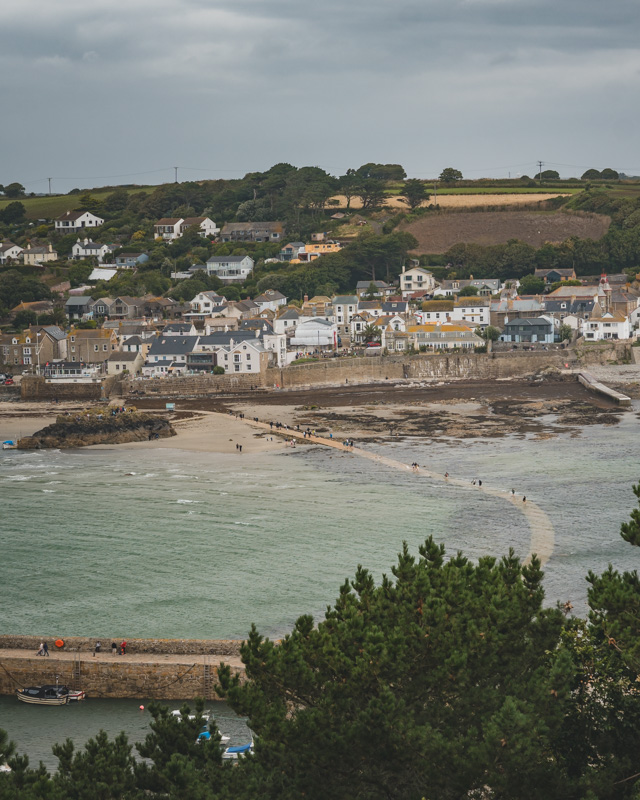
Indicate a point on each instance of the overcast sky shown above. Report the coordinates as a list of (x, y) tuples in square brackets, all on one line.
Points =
[(94, 91)]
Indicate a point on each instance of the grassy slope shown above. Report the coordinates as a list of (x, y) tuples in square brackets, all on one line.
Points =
[(52, 207)]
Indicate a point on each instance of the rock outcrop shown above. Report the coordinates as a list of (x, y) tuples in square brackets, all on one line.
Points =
[(99, 426)]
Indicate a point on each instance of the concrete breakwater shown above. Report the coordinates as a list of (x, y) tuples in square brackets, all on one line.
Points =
[(161, 669)]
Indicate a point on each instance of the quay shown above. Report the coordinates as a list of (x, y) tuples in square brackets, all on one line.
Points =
[(593, 385), (159, 669)]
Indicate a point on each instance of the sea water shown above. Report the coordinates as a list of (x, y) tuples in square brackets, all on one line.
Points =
[(166, 543)]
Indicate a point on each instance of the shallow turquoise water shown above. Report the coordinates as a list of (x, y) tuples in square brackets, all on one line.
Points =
[(127, 543)]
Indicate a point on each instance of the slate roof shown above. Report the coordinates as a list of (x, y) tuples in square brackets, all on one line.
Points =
[(345, 299), (395, 306), (81, 300), (172, 345), (224, 337), (290, 313), (123, 355)]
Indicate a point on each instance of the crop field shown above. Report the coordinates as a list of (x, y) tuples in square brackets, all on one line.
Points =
[(54, 206), (437, 232), (463, 200)]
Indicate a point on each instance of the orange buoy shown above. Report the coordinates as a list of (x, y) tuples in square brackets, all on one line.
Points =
[(59, 643)]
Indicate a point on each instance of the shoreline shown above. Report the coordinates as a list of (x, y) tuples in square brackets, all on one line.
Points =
[(373, 412)]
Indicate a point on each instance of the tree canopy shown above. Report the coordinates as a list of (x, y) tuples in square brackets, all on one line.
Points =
[(450, 175)]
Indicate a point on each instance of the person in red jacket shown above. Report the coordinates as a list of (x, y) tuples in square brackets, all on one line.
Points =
[(123, 647)]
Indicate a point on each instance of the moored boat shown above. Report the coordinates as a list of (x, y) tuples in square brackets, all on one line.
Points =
[(9, 444), (233, 753), (49, 695)]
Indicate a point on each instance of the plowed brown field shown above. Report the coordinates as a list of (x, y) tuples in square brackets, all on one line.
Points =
[(438, 232)]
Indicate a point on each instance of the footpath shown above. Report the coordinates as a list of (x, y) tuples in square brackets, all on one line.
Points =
[(542, 537)]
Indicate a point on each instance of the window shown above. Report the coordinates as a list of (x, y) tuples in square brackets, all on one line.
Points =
[(117, 366), (104, 346), (73, 349), (73, 358), (26, 350), (237, 367), (95, 348), (73, 338)]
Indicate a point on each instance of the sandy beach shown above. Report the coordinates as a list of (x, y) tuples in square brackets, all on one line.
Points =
[(366, 413)]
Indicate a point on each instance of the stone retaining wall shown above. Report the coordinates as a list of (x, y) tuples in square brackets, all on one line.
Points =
[(37, 388), (81, 644), (113, 677)]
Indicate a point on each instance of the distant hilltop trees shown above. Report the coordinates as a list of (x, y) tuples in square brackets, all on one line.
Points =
[(595, 175)]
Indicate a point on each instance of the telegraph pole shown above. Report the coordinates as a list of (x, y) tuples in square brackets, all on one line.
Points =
[(49, 179), (539, 171), (176, 169)]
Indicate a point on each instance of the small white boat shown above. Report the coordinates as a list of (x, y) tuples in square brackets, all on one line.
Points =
[(9, 445)]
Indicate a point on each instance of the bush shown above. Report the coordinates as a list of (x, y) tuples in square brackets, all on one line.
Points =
[(218, 370)]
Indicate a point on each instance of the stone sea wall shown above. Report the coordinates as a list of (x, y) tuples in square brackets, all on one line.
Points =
[(114, 677), (192, 674)]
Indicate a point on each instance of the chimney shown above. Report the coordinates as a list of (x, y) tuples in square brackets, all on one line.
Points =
[(207, 330), (306, 298), (257, 333)]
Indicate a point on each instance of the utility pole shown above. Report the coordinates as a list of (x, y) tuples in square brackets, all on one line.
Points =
[(539, 171), (435, 194), (49, 179), (176, 170)]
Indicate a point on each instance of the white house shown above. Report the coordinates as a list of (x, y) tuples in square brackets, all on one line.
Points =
[(73, 221), (272, 299), (345, 306), (287, 321), (607, 325), (9, 252), (125, 361), (208, 227), (88, 249), (473, 311), (416, 279), (315, 333), (249, 356), (230, 269), (204, 303), (168, 228)]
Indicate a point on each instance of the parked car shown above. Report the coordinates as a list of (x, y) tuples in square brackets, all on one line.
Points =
[(9, 382)]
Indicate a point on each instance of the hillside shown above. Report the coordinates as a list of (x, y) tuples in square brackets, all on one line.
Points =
[(437, 232), (50, 207)]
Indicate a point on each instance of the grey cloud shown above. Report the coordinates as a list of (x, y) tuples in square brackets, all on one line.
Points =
[(250, 82)]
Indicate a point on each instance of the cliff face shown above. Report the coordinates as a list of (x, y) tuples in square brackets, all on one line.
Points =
[(99, 427)]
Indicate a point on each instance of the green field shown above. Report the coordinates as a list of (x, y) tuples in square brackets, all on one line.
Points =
[(54, 206)]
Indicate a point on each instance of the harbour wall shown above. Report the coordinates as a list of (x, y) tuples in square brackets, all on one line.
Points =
[(114, 677), (160, 669), (338, 371)]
